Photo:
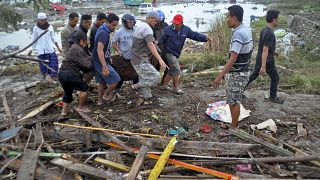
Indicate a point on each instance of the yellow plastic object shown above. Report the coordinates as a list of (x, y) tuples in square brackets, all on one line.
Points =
[(112, 164), (163, 159)]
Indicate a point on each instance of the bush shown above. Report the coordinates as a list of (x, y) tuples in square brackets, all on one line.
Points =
[(220, 34), (201, 61)]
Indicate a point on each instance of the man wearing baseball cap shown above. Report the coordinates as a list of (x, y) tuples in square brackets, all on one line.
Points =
[(142, 46), (45, 47), (172, 40)]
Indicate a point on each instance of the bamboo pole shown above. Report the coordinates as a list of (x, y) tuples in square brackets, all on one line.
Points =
[(108, 130)]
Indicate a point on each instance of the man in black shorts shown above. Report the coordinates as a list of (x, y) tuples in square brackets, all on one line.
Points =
[(71, 72)]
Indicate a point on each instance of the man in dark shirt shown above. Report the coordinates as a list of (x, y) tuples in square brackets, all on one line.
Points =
[(172, 39), (104, 72), (101, 18), (71, 72), (265, 63), (85, 24)]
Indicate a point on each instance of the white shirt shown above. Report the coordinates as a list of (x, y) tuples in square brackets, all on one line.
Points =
[(46, 43)]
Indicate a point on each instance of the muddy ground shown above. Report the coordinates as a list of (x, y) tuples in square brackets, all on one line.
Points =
[(168, 110)]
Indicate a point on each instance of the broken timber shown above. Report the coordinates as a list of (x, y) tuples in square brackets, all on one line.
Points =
[(288, 146), (137, 164), (28, 165), (187, 147), (262, 160), (41, 173), (271, 147), (163, 159), (7, 110), (38, 110), (187, 166), (112, 164), (82, 169), (109, 135)]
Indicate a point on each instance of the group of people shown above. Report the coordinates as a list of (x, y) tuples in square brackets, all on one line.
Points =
[(152, 45)]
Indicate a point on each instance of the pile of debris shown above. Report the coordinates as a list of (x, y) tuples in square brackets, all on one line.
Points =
[(94, 146)]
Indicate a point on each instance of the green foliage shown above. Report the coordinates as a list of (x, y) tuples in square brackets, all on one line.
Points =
[(21, 5), (9, 17), (220, 33), (202, 61), (39, 4)]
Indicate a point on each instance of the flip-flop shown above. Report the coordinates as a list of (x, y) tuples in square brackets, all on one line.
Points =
[(99, 104), (83, 110), (110, 100), (224, 134)]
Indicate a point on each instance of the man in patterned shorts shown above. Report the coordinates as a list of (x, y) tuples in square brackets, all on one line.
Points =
[(236, 71)]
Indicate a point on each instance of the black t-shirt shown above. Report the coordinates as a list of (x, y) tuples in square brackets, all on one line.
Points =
[(267, 38), (93, 33)]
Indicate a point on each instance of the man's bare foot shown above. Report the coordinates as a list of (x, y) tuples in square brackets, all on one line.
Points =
[(99, 103), (83, 109), (135, 86), (140, 102)]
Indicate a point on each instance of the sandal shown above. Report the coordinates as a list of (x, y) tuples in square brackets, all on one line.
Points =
[(164, 88), (85, 110), (178, 92), (224, 133), (113, 98)]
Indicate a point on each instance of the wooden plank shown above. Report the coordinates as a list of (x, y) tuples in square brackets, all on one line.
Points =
[(28, 166), (166, 169), (271, 147), (163, 159), (286, 145), (109, 135), (187, 166), (8, 134), (82, 169), (203, 148), (112, 164), (12, 122), (41, 173), (138, 162), (38, 110)]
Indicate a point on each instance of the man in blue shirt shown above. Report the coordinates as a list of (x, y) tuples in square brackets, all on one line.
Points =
[(172, 40), (104, 72)]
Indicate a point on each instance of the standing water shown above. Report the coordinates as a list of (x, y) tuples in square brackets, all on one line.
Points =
[(198, 16)]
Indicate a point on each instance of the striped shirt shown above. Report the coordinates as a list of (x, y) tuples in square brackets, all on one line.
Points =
[(242, 44)]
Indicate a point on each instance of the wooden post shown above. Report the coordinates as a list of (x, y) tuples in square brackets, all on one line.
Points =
[(27, 170), (11, 121), (137, 164), (96, 124)]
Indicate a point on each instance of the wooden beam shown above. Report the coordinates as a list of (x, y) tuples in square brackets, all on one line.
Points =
[(271, 147), (41, 173), (109, 135), (286, 145), (163, 159), (201, 148), (11, 121), (82, 169), (38, 110), (138, 162), (187, 166), (27, 170), (111, 164), (261, 160)]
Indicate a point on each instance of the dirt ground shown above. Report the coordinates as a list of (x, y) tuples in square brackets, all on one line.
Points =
[(168, 110)]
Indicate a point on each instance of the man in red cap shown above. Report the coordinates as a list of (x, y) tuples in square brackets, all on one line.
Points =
[(172, 40)]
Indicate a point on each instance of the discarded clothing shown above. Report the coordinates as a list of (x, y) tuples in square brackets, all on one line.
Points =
[(220, 111)]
